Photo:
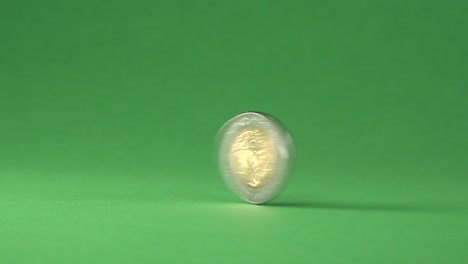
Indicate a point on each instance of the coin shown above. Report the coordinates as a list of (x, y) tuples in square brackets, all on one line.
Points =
[(255, 156)]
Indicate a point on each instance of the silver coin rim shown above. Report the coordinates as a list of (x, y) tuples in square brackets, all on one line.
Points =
[(285, 150)]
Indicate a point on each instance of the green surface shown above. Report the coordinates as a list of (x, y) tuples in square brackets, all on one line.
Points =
[(108, 113)]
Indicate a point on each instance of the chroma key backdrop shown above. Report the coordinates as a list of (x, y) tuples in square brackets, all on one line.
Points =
[(109, 112)]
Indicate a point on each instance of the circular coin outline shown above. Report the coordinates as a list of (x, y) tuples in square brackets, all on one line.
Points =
[(282, 142)]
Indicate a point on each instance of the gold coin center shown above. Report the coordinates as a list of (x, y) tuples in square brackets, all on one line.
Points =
[(253, 157)]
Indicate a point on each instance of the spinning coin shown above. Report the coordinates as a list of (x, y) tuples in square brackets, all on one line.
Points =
[(255, 154)]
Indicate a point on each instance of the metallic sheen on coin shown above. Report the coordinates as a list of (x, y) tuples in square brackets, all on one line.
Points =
[(255, 154)]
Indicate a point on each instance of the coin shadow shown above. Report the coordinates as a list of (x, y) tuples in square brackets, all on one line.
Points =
[(365, 206)]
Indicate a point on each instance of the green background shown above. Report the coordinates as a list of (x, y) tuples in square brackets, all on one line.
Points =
[(109, 109)]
